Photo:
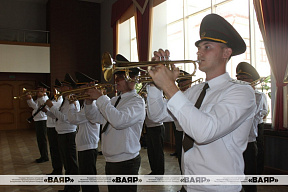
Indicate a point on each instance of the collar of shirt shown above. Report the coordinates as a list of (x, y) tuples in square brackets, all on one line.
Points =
[(215, 82), (128, 93)]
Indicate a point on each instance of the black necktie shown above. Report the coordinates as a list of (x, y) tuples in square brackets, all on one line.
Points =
[(107, 123), (188, 142)]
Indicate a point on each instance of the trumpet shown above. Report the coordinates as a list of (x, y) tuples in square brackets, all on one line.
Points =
[(110, 66), (28, 92), (79, 93)]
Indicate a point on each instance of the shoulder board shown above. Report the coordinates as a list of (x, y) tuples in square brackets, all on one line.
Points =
[(239, 82)]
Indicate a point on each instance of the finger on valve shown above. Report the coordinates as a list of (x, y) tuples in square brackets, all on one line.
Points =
[(162, 53), (157, 56), (167, 54)]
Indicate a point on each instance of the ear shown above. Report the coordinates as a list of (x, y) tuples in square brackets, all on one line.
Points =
[(227, 52)]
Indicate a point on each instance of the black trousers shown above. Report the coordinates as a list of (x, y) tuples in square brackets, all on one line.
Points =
[(54, 151), (261, 150), (41, 132), (87, 166), (155, 146), (250, 160), (129, 167), (67, 147), (178, 144)]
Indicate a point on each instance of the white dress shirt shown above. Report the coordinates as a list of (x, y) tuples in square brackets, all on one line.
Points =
[(51, 122), (261, 112), (35, 105), (220, 127), (121, 141), (63, 126), (87, 136), (263, 105)]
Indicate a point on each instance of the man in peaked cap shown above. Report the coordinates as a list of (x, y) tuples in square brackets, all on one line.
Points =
[(255, 148), (68, 81), (66, 131), (82, 79), (87, 137), (216, 115), (246, 72), (40, 120), (122, 118), (52, 134)]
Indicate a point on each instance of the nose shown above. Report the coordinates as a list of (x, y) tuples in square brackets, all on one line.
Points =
[(199, 53)]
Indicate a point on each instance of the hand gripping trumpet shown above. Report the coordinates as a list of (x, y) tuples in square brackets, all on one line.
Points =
[(28, 92), (110, 66), (79, 93)]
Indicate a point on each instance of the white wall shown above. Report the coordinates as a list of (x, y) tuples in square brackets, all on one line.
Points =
[(24, 59)]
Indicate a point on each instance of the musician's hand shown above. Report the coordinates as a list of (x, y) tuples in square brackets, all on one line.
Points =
[(49, 103), (28, 97), (72, 99), (163, 77), (94, 93), (161, 55), (44, 110)]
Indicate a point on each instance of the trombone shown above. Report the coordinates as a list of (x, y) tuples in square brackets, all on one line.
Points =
[(28, 92), (79, 93), (110, 66)]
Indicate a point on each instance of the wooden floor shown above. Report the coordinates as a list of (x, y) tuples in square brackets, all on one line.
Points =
[(18, 151)]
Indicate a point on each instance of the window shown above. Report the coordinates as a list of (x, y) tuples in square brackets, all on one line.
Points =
[(176, 27)]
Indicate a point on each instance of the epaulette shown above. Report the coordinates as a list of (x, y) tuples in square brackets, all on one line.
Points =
[(239, 82)]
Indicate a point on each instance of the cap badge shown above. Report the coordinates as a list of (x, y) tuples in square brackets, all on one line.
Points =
[(203, 34)]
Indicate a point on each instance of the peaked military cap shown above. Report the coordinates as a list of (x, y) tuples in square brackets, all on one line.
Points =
[(215, 28), (81, 78), (244, 68), (132, 71), (69, 81), (42, 85), (57, 83), (183, 79)]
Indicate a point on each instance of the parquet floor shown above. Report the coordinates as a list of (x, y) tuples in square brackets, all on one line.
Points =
[(18, 151)]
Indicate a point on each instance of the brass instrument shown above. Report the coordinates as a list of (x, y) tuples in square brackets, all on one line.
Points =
[(28, 92), (79, 93), (200, 80), (258, 81), (110, 66)]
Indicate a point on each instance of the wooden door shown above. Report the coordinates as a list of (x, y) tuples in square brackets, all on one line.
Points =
[(14, 112)]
